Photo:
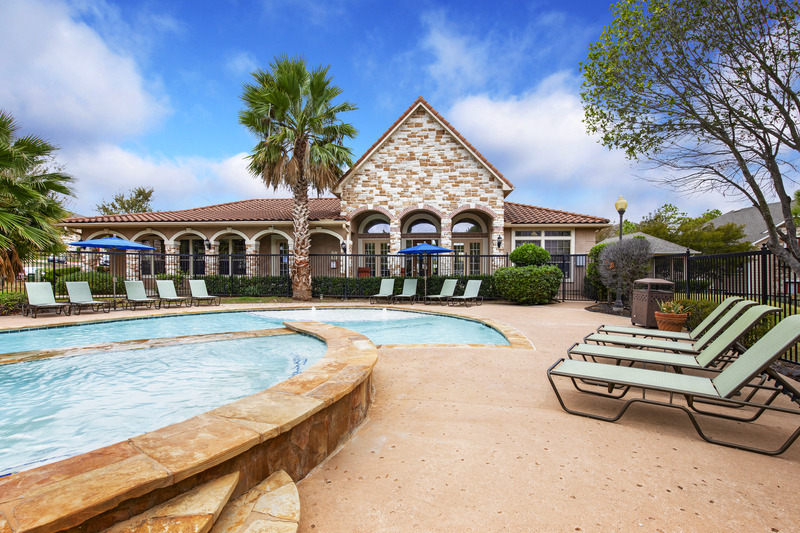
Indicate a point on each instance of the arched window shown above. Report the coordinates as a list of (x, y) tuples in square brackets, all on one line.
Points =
[(422, 225), (467, 225), (376, 226)]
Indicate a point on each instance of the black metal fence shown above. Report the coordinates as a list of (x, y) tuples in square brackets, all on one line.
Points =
[(333, 275), (757, 275)]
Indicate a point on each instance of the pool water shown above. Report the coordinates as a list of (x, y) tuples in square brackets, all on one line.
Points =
[(64, 406), (381, 326)]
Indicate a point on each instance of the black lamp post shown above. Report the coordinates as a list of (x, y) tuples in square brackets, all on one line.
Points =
[(620, 205), (344, 252)]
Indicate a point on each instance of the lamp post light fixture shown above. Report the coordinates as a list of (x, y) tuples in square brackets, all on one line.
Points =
[(620, 205), (344, 252)]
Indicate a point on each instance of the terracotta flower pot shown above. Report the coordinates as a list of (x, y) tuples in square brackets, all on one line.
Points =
[(671, 321)]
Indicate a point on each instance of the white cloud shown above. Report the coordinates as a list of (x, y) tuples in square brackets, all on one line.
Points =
[(539, 142), (241, 63), (460, 62), (104, 170), (61, 80)]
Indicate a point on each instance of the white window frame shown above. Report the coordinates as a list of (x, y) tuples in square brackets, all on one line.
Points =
[(538, 240)]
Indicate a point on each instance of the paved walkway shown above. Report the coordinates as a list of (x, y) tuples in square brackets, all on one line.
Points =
[(474, 440)]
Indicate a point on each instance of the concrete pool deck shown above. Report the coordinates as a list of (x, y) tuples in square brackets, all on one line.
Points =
[(473, 439)]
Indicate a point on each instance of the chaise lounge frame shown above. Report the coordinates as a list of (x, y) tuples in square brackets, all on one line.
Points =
[(698, 391)]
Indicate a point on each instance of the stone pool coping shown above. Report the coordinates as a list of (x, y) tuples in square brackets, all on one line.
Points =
[(291, 426)]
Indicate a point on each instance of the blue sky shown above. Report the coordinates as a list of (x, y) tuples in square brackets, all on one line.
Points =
[(146, 93)]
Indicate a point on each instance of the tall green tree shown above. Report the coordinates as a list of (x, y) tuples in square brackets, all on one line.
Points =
[(136, 201), (697, 233), (706, 90), (292, 112), (30, 193)]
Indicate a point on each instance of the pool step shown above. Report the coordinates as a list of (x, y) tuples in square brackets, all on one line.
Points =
[(194, 511), (272, 506)]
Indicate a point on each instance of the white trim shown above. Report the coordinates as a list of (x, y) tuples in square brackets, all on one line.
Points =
[(375, 216), (215, 237), (187, 231), (327, 231), (428, 215), (149, 231), (469, 214)]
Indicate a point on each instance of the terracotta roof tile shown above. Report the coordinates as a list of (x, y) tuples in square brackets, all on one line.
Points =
[(530, 214), (277, 209), (406, 113)]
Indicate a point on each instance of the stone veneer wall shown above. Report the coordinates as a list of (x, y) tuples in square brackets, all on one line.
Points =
[(422, 165)]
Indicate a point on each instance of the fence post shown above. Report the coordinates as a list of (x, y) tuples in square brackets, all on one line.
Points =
[(563, 278), (688, 277), (764, 276), (346, 272)]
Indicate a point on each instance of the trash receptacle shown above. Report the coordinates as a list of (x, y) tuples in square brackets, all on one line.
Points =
[(647, 293)]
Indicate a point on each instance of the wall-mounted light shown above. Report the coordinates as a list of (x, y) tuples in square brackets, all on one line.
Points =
[(344, 247), (208, 244), (499, 242)]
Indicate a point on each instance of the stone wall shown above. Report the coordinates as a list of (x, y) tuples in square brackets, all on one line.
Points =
[(423, 166)]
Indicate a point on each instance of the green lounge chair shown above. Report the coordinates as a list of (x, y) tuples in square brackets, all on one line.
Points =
[(693, 335), (409, 291), (674, 346), (448, 289), (80, 296), (199, 293), (723, 391), (41, 298), (470, 294), (136, 295), (386, 291), (167, 294), (717, 353)]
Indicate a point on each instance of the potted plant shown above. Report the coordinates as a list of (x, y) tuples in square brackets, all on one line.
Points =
[(671, 315)]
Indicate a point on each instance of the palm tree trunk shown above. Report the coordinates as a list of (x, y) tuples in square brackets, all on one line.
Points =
[(301, 271)]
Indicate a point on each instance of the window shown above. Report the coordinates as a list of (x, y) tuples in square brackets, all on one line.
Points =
[(459, 261), (557, 242), (376, 226), (384, 261), (474, 258), (467, 225), (369, 260), (422, 225), (283, 250)]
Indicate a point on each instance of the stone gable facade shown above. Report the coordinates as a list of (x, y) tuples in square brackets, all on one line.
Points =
[(423, 166)]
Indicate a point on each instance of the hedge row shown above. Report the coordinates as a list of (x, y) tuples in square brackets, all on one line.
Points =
[(248, 286)]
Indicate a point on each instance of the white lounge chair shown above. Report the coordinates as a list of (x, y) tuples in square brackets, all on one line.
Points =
[(136, 295), (167, 294), (41, 298), (199, 293), (80, 296)]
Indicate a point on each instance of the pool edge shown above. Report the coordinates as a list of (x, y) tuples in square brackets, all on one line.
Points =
[(292, 426)]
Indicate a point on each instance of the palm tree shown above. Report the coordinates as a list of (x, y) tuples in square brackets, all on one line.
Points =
[(29, 203), (291, 110)]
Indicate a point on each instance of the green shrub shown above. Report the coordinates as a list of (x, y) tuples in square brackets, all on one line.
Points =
[(247, 286), (593, 286), (698, 309), (101, 283), (529, 285), (11, 302), (177, 278), (529, 255), (59, 273)]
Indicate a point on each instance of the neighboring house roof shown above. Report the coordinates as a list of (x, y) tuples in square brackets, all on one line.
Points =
[(259, 209), (528, 214), (280, 209), (750, 218), (507, 185), (657, 246)]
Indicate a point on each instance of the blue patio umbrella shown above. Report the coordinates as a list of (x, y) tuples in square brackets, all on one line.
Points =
[(425, 249), (112, 243)]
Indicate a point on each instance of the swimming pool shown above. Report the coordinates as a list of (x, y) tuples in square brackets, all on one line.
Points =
[(63, 406), (381, 326)]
